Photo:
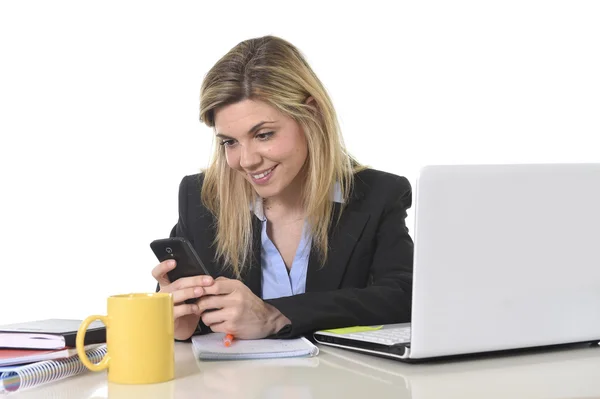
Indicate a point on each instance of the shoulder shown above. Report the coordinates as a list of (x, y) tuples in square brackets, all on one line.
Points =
[(191, 183), (190, 188), (190, 200), (373, 183)]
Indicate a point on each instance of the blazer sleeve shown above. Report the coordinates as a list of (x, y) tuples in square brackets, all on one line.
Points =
[(181, 230), (387, 297)]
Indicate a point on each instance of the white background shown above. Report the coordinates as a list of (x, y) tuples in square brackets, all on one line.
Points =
[(99, 113)]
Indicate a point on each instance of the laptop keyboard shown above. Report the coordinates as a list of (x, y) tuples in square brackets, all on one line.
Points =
[(388, 336)]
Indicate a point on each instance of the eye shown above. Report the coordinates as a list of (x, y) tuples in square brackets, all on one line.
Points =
[(227, 143), (265, 136)]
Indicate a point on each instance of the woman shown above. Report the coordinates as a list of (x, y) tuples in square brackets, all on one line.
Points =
[(299, 234)]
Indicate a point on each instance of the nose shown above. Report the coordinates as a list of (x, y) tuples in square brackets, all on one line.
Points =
[(249, 158)]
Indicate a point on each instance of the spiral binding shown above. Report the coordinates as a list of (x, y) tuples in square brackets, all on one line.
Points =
[(47, 371)]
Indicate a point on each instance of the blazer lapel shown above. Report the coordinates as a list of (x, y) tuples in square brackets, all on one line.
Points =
[(253, 276), (342, 240)]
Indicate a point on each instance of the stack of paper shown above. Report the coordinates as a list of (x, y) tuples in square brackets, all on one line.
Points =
[(211, 347)]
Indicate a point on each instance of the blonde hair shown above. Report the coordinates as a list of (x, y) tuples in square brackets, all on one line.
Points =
[(272, 70)]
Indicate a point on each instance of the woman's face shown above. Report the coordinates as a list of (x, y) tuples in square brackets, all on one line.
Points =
[(267, 147)]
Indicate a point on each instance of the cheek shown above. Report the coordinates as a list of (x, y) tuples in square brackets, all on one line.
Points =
[(295, 151), (301, 151), (233, 160), (294, 158)]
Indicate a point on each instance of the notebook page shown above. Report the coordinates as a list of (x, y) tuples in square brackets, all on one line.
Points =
[(210, 346)]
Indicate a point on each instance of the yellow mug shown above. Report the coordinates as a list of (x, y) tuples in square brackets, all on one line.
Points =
[(139, 339)]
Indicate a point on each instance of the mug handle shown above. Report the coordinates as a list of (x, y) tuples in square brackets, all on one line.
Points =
[(103, 364)]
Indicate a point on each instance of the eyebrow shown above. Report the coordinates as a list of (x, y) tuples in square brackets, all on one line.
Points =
[(252, 129)]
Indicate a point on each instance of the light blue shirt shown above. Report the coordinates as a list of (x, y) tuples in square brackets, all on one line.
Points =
[(276, 281)]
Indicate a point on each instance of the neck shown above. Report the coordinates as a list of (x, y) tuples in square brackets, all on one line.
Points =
[(288, 204)]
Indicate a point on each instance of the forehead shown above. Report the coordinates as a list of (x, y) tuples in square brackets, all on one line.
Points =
[(239, 117)]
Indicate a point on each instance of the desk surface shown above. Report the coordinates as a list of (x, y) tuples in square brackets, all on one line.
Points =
[(337, 373)]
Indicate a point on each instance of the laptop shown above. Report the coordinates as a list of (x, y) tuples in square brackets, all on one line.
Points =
[(506, 257)]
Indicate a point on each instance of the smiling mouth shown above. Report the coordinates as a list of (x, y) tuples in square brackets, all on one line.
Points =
[(263, 174)]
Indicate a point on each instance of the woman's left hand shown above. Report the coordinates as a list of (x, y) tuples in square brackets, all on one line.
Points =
[(238, 311)]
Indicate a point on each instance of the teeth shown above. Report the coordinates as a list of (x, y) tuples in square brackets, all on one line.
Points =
[(260, 176)]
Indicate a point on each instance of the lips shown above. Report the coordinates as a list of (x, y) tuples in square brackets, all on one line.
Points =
[(263, 177), (262, 174)]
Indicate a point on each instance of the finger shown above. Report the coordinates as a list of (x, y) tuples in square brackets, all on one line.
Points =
[(222, 286), (220, 328), (211, 302), (160, 271), (187, 293), (211, 318), (184, 309), (193, 281)]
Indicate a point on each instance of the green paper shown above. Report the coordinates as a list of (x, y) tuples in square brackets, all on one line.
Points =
[(357, 329)]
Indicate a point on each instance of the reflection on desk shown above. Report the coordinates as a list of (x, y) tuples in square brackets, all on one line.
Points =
[(572, 372)]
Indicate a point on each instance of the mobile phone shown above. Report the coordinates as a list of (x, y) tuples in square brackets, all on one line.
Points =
[(180, 250)]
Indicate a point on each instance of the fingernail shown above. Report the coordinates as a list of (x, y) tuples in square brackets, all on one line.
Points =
[(194, 308), (171, 262), (206, 280), (198, 291)]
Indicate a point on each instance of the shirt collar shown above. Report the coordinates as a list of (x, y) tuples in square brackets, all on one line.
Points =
[(258, 209)]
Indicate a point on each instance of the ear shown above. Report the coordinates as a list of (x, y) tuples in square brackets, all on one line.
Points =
[(312, 103)]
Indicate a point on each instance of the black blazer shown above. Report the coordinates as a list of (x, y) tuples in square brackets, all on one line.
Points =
[(367, 277)]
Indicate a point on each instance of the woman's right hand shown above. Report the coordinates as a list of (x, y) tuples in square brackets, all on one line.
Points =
[(186, 315)]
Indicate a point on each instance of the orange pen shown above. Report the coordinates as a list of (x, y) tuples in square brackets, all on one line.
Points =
[(228, 340)]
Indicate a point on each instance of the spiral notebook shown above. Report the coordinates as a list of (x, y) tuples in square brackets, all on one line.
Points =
[(211, 347), (17, 378)]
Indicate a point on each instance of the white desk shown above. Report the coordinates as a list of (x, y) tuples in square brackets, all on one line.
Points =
[(336, 373)]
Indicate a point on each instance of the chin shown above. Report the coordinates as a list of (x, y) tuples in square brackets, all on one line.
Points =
[(266, 192)]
